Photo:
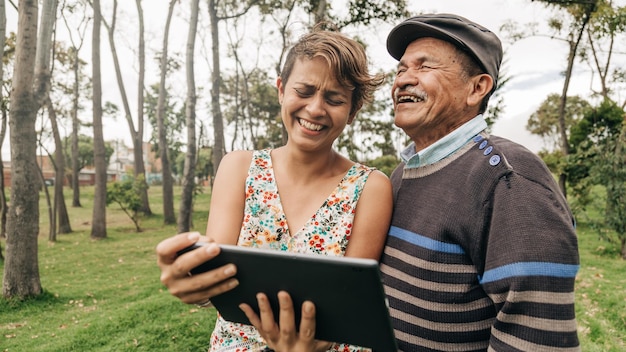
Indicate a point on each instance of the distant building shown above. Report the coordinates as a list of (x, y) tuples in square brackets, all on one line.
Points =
[(121, 165)]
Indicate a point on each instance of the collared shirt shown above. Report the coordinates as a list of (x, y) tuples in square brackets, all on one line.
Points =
[(445, 146)]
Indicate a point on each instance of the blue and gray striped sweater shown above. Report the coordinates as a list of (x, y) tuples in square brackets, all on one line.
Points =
[(482, 254)]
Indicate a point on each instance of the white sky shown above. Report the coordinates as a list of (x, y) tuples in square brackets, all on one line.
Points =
[(534, 64)]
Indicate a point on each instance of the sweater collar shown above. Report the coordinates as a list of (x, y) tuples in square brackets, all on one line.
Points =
[(444, 146)]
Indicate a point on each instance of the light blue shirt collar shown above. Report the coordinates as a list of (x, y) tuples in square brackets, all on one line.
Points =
[(445, 146)]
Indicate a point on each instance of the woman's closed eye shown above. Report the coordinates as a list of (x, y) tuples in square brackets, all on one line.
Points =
[(332, 98)]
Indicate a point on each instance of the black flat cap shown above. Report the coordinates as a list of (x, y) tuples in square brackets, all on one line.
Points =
[(479, 42)]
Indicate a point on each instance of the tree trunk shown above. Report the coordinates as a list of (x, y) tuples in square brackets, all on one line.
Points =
[(562, 105), (573, 48), (3, 197), (81, 30), (60, 210), (320, 14), (218, 122), (52, 234), (138, 136), (168, 187), (3, 128), (75, 129), (186, 202), (31, 79), (98, 225)]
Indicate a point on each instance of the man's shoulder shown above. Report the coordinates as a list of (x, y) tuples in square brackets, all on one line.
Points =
[(511, 157), (517, 155)]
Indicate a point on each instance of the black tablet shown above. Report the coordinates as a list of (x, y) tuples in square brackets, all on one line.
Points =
[(348, 293)]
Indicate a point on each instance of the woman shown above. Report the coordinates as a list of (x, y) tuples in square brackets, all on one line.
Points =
[(301, 197)]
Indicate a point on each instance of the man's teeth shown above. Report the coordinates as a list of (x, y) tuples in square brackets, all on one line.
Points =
[(408, 98), (310, 126)]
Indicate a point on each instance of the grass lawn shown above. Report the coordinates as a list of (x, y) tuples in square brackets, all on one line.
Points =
[(106, 295)]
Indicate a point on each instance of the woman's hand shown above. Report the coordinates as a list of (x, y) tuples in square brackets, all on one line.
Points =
[(283, 337), (193, 289)]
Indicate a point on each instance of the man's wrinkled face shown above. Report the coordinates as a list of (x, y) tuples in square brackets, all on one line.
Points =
[(430, 90)]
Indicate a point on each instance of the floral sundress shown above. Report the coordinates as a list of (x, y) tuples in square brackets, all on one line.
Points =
[(265, 226)]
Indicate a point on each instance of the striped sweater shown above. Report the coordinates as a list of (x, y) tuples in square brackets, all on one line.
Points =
[(482, 254)]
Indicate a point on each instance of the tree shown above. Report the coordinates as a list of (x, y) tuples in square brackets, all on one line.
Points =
[(65, 81), (59, 210), (127, 194), (250, 103), (605, 25), (544, 121), (98, 222), (78, 7), (613, 175), (85, 151), (598, 141), (186, 201), (166, 171), (31, 80), (136, 134), (235, 9), (174, 123), (580, 15), (3, 202)]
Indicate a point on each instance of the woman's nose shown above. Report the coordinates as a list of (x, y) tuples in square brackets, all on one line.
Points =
[(316, 106)]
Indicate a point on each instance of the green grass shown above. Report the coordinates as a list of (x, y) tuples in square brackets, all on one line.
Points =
[(600, 294), (106, 295)]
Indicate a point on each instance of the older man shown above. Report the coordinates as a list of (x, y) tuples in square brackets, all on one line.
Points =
[(482, 253)]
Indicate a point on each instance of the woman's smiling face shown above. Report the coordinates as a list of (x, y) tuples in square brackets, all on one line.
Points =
[(315, 107)]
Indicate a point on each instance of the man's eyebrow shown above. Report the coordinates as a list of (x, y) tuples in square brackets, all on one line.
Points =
[(418, 60)]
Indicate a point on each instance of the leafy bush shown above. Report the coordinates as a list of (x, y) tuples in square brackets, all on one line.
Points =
[(127, 194)]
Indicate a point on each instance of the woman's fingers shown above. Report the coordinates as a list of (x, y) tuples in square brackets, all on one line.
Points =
[(268, 324), (286, 316), (283, 336), (251, 315), (307, 321), (166, 249), (175, 269)]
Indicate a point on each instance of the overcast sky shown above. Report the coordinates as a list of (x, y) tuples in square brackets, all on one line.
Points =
[(534, 64)]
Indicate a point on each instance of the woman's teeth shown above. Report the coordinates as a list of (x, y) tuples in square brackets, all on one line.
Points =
[(310, 126)]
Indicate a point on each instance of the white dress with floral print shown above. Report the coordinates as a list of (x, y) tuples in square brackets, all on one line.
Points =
[(265, 226)]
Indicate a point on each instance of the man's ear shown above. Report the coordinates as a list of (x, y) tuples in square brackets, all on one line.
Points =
[(480, 86)]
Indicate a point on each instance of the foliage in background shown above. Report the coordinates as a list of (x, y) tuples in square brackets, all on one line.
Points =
[(174, 125), (591, 137), (544, 122), (127, 194), (385, 163), (85, 151), (598, 159)]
